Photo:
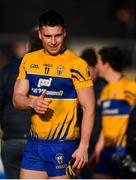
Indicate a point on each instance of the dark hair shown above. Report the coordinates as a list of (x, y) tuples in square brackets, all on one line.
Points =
[(89, 56), (51, 18), (112, 55)]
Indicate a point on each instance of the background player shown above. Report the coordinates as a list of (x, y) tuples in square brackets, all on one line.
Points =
[(116, 101)]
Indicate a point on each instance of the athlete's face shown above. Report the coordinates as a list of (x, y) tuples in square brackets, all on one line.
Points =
[(101, 67), (52, 39)]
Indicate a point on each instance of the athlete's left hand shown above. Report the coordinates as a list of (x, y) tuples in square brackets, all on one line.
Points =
[(81, 157)]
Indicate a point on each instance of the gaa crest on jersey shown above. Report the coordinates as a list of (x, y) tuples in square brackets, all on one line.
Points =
[(47, 68), (34, 66), (60, 70)]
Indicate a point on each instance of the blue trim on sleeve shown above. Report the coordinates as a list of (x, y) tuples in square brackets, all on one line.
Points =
[(77, 72)]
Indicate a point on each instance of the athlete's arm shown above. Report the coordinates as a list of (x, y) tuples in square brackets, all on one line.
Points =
[(95, 156), (100, 144), (22, 101), (86, 99)]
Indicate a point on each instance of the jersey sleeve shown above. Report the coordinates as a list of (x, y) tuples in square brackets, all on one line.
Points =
[(22, 69), (130, 93), (81, 75)]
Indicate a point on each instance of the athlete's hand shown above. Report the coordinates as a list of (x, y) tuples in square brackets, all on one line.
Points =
[(81, 157), (93, 159), (95, 156), (40, 105)]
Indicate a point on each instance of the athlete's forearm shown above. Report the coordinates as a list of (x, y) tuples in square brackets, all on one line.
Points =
[(81, 153), (22, 102), (86, 127), (100, 143)]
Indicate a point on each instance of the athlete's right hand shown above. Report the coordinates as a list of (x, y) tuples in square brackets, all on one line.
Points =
[(40, 105)]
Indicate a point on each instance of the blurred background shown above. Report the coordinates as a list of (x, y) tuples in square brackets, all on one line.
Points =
[(92, 23)]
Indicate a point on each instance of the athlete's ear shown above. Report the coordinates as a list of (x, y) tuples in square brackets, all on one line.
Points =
[(65, 33), (39, 33)]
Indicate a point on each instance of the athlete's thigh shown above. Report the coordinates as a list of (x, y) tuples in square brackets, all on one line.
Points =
[(32, 174)]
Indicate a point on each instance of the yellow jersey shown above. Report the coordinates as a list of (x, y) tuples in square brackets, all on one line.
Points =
[(60, 76), (116, 101)]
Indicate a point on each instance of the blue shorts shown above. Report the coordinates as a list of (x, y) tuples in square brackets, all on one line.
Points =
[(49, 156), (107, 164)]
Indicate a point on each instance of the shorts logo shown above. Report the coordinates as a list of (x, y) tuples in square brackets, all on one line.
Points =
[(59, 157)]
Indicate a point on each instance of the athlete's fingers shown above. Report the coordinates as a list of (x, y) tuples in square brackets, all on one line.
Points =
[(74, 155), (40, 112), (43, 95), (83, 164), (79, 164), (41, 105), (42, 109), (76, 163), (44, 104)]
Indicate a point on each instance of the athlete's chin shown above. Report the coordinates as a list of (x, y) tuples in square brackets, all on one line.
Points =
[(54, 52)]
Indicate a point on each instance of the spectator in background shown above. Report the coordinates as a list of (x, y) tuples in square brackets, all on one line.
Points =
[(15, 124), (117, 99), (19, 49), (127, 22), (123, 27), (89, 55), (3, 59), (35, 42), (124, 19)]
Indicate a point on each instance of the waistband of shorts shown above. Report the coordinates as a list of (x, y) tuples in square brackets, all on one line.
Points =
[(48, 141)]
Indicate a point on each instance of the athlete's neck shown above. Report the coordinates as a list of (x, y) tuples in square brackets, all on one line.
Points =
[(113, 76)]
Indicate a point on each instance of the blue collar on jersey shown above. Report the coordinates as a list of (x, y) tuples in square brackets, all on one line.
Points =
[(63, 50)]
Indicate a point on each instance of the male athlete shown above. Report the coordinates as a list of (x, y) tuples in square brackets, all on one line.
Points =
[(51, 82), (117, 99)]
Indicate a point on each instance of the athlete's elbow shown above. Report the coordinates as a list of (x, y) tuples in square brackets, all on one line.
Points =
[(14, 100), (88, 108)]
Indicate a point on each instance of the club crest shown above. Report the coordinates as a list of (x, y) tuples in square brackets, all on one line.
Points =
[(60, 70)]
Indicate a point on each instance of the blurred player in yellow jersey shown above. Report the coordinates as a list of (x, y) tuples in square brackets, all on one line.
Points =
[(51, 82), (116, 101)]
